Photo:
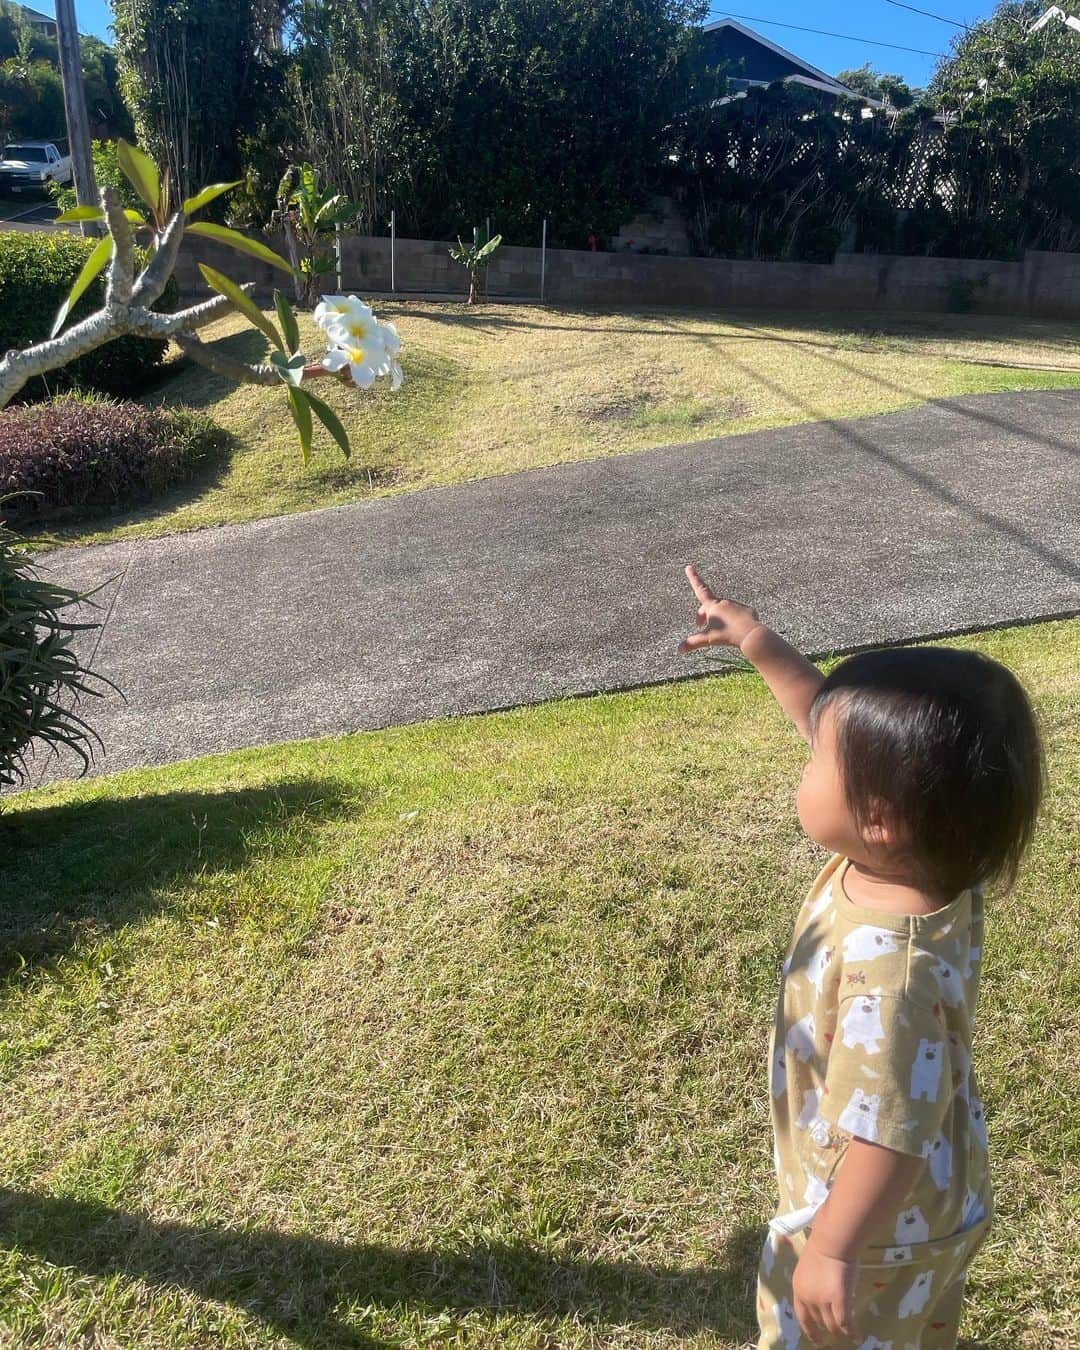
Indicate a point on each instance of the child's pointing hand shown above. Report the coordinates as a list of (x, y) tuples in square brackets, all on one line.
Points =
[(725, 623)]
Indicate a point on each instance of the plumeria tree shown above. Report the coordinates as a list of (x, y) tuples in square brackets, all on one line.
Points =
[(360, 347)]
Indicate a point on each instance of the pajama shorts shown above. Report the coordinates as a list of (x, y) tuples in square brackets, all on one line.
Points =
[(910, 1302)]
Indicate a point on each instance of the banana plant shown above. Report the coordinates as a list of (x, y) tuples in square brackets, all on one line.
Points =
[(308, 215), (360, 347), (474, 257)]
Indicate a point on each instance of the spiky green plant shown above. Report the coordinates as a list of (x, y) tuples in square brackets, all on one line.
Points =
[(41, 676)]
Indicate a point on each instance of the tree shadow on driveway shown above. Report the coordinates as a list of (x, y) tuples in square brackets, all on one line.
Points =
[(873, 449)]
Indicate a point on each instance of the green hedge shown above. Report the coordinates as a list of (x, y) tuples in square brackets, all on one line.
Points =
[(36, 273)]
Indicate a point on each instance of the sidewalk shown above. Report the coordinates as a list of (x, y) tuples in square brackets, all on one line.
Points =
[(952, 516)]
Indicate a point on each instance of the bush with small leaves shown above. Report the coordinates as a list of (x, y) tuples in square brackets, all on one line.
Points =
[(36, 273), (85, 454)]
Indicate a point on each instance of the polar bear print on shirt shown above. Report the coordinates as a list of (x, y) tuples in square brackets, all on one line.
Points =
[(939, 1151), (973, 957), (817, 1191), (788, 1324), (895, 1255), (949, 981), (974, 1209), (818, 964), (978, 1121), (866, 942), (872, 1343), (779, 1072), (808, 1116), (768, 1255), (926, 1071), (862, 1024), (917, 1297), (911, 1226), (800, 1038), (860, 1115)]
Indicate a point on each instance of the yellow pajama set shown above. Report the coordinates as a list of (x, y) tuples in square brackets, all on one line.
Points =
[(872, 1040)]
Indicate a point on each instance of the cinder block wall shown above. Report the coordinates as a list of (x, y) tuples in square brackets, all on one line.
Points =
[(1042, 285)]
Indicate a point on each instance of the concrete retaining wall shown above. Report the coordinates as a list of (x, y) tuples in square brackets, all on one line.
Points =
[(1042, 285)]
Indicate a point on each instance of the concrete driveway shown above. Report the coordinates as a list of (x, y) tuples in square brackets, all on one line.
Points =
[(959, 514)]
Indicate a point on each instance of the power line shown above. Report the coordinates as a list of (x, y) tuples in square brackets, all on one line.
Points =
[(940, 18), (822, 32)]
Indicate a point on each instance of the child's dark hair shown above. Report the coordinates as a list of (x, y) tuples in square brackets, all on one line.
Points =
[(946, 744)]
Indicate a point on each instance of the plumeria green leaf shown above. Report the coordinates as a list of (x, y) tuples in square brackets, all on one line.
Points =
[(287, 319), (100, 255), (135, 218), (141, 172), (331, 422), (300, 408), (222, 235), (207, 195), (243, 303), (291, 369), (80, 213)]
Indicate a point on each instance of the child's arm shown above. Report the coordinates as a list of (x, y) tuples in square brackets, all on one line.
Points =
[(790, 676), (869, 1190)]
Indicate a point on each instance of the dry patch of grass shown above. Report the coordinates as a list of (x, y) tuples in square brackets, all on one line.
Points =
[(502, 388), (454, 1034)]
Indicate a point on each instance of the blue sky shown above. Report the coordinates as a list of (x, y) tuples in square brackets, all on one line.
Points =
[(869, 19)]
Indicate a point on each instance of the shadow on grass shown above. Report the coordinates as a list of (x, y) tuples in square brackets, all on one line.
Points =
[(202, 388), (871, 326), (304, 1286), (81, 869)]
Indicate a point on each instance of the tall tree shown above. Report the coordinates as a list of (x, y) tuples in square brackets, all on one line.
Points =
[(187, 70), (1011, 100)]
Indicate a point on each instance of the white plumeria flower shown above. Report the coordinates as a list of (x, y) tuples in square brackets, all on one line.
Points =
[(333, 309), (366, 361), (359, 325), (392, 343)]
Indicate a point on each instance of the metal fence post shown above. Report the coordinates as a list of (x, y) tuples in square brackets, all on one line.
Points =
[(393, 246), (337, 255), (543, 258)]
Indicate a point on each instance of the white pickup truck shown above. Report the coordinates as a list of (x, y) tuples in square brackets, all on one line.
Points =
[(30, 166)]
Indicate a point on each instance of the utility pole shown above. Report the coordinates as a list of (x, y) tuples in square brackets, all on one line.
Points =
[(78, 124)]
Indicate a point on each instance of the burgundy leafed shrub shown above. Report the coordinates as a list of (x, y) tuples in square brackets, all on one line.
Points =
[(86, 454)]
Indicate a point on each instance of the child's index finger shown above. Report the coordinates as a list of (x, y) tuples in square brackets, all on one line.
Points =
[(700, 589)]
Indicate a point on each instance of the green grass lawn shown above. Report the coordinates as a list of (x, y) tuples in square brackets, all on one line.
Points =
[(507, 387), (454, 1034)]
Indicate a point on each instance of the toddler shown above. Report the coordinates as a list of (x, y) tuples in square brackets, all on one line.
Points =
[(924, 782)]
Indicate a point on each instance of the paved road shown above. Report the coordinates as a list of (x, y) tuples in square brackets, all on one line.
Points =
[(954, 515)]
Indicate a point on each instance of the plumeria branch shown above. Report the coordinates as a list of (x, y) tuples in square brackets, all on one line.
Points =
[(361, 348)]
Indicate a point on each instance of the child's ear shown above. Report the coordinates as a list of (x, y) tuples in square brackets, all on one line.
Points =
[(878, 830)]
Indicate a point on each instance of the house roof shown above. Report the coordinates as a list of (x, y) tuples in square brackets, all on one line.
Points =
[(36, 16), (818, 76)]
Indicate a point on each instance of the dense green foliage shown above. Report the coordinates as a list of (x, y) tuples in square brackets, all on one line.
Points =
[(31, 92), (41, 675), (452, 113), (189, 74), (36, 273), (80, 455), (984, 164)]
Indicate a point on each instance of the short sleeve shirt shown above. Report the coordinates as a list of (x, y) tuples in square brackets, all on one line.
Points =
[(873, 1039)]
